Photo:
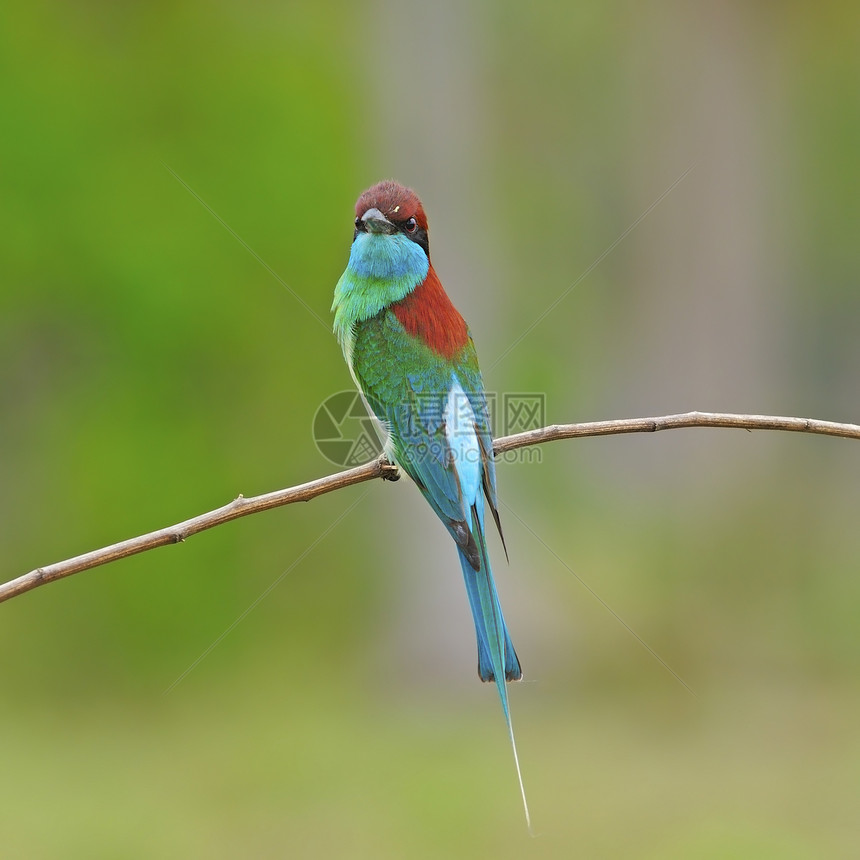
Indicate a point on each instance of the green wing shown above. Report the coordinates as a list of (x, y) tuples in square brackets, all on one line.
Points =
[(407, 386)]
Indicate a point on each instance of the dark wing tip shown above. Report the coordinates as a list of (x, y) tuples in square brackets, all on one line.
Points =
[(498, 522), (466, 541)]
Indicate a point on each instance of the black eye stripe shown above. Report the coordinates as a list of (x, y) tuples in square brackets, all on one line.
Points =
[(409, 227)]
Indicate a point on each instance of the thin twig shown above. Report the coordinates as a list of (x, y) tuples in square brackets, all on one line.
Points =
[(239, 507), (674, 422), (242, 507)]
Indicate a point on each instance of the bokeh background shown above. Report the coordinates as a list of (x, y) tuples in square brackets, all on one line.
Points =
[(152, 368)]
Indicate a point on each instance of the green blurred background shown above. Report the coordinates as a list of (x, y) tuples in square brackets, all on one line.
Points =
[(151, 368)]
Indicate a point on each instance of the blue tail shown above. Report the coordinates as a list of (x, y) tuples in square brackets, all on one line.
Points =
[(497, 660), (490, 625)]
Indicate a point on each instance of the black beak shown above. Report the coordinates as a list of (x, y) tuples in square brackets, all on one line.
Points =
[(375, 222)]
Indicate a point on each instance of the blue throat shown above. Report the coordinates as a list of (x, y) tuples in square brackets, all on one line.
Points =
[(382, 269)]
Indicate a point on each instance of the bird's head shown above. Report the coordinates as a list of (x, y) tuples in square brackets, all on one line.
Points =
[(389, 209), (389, 257)]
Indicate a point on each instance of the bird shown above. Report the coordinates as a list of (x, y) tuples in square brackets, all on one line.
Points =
[(413, 360)]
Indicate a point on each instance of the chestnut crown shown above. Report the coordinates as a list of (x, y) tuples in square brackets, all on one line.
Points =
[(399, 205)]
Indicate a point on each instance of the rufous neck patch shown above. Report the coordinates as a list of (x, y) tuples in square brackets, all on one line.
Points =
[(428, 314)]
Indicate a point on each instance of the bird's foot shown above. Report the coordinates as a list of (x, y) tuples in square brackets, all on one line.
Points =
[(390, 472)]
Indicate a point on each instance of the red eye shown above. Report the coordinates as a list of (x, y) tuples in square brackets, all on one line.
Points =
[(411, 225)]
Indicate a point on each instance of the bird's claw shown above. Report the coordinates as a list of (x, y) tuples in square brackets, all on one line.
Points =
[(390, 472)]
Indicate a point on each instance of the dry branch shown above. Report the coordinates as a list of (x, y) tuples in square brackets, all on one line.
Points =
[(242, 507)]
